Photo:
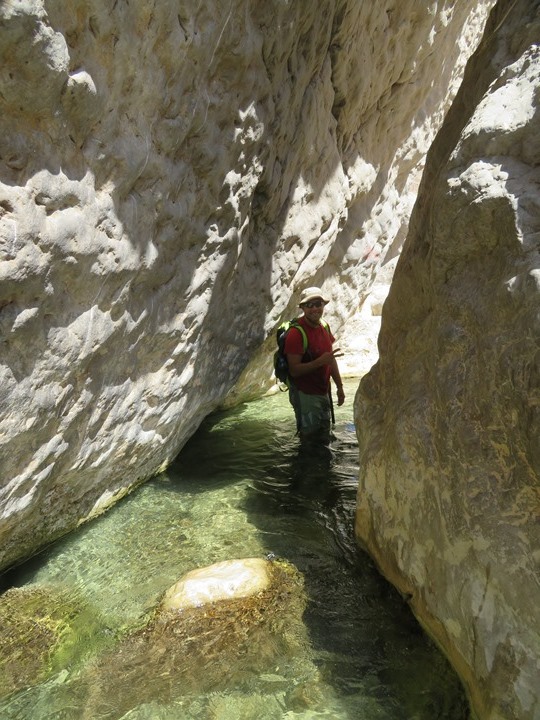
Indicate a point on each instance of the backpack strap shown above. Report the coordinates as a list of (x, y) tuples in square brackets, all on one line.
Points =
[(302, 332), (296, 324)]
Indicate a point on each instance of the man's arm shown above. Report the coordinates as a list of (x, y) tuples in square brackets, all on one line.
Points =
[(336, 377), (297, 368)]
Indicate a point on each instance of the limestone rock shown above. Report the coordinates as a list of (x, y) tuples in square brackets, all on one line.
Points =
[(222, 581), (449, 421), (169, 177)]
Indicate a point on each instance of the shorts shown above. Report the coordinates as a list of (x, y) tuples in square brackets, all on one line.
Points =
[(313, 413)]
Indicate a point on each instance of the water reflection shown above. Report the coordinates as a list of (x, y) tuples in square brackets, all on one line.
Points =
[(245, 486)]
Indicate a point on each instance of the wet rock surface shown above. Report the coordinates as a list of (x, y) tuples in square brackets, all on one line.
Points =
[(220, 641), (40, 629)]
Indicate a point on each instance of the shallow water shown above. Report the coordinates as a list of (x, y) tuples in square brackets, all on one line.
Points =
[(244, 486)]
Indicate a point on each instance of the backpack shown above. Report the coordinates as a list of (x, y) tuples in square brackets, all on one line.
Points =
[(281, 367)]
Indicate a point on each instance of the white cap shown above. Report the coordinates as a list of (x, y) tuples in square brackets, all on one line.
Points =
[(311, 293)]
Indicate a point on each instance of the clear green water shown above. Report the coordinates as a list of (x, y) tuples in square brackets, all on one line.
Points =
[(242, 487)]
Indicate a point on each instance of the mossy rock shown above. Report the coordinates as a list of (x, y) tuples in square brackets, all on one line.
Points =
[(260, 625), (204, 647), (41, 628)]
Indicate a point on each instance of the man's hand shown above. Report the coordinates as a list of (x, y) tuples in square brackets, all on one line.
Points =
[(327, 358), (340, 395)]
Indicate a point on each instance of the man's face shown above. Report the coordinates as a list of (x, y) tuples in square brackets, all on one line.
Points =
[(313, 310)]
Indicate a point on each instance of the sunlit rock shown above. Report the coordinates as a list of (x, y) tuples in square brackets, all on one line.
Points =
[(449, 420), (223, 581), (170, 175)]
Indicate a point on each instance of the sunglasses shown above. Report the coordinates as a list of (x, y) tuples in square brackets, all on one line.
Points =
[(314, 303)]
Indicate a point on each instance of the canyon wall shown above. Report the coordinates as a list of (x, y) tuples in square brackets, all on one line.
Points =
[(449, 418), (170, 176)]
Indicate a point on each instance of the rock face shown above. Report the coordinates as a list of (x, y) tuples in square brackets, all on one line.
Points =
[(169, 177), (449, 418)]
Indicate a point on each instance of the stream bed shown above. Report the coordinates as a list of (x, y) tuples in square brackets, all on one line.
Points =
[(244, 486)]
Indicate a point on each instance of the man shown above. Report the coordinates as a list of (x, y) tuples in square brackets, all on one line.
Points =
[(311, 371)]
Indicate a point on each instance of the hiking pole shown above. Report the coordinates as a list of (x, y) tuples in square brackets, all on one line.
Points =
[(331, 404)]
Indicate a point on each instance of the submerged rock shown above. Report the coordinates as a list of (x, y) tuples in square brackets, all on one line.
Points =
[(41, 629), (215, 628)]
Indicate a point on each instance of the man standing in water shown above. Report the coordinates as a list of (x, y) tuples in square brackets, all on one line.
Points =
[(311, 370)]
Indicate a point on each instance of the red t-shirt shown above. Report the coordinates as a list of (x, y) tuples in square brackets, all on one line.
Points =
[(319, 341)]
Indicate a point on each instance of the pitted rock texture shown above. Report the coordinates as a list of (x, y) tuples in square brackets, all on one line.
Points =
[(170, 176), (449, 418)]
